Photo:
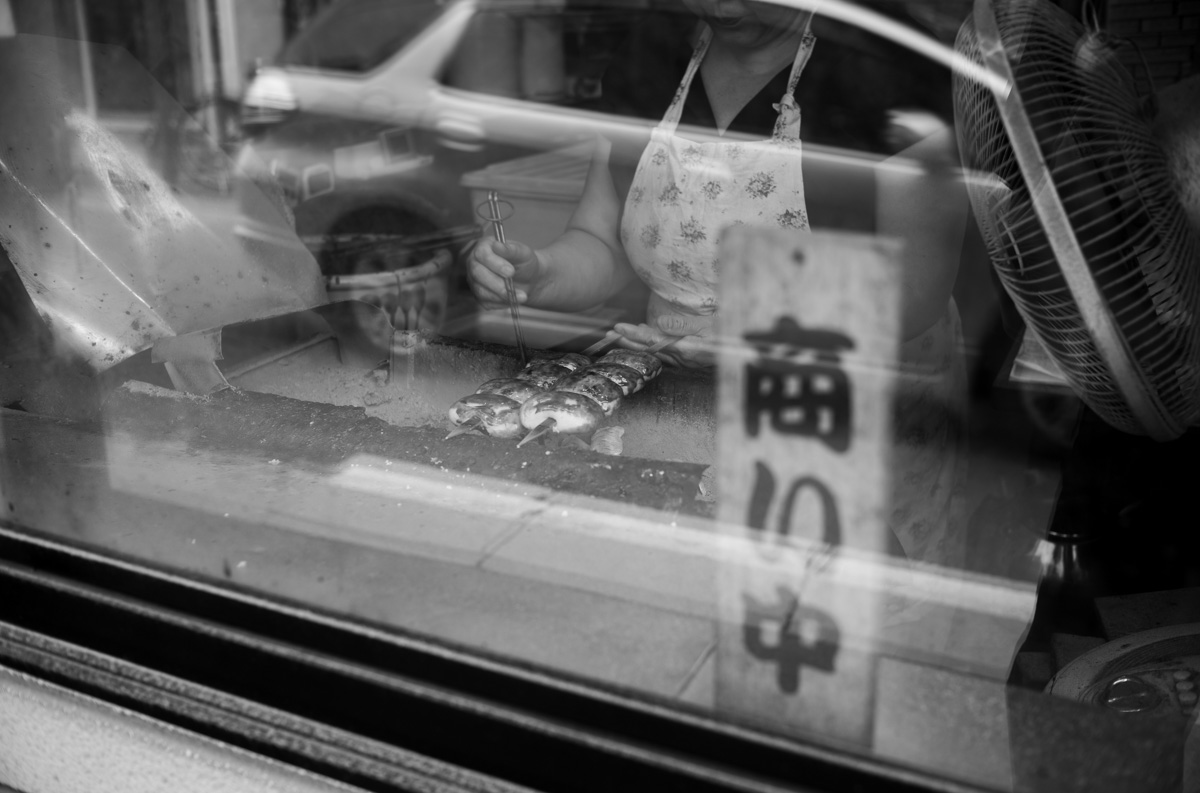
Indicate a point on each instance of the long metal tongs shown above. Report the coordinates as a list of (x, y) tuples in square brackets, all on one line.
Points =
[(612, 339), (497, 220)]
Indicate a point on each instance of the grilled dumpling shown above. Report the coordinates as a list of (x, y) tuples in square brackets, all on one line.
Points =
[(544, 374), (496, 415), (596, 387), (573, 361), (571, 413), (648, 365), (511, 387), (627, 378)]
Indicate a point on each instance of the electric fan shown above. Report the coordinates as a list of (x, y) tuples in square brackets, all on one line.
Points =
[(1081, 216)]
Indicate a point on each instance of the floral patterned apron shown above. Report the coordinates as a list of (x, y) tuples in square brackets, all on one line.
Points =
[(684, 193)]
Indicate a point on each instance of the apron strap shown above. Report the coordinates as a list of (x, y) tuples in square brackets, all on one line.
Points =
[(674, 112), (787, 123), (803, 52)]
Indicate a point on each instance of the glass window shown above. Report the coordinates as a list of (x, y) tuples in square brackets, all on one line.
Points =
[(357, 35), (730, 364), (542, 52)]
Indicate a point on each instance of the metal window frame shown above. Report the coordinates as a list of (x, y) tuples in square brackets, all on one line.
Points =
[(377, 709)]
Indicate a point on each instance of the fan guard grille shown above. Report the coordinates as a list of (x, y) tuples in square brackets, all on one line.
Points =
[(1112, 178)]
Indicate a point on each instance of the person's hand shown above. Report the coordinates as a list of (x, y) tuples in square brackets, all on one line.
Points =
[(492, 261), (695, 351)]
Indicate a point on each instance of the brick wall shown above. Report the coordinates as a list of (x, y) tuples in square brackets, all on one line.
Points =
[(943, 18), (1168, 33)]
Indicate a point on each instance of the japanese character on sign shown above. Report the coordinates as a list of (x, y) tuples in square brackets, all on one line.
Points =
[(764, 493), (798, 382), (807, 637)]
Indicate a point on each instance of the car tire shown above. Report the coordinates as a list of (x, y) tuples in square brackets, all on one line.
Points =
[(370, 240)]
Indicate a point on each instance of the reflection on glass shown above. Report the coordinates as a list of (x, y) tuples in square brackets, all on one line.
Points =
[(784, 455)]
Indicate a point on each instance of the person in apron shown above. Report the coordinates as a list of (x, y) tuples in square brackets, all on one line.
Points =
[(667, 233)]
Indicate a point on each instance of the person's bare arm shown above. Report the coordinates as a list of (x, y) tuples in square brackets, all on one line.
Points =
[(922, 201), (582, 268)]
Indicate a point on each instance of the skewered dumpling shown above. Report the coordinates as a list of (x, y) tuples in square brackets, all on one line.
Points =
[(569, 394), (603, 391), (648, 365), (495, 415), (562, 411), (544, 374), (627, 378), (511, 387), (573, 361)]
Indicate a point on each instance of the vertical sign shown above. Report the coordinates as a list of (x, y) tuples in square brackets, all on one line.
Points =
[(810, 327)]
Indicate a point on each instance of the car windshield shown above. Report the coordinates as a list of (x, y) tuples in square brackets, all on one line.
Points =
[(358, 35)]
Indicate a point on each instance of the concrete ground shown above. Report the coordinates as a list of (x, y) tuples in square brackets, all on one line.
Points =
[(597, 591)]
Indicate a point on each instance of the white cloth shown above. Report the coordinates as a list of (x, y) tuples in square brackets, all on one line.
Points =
[(684, 193)]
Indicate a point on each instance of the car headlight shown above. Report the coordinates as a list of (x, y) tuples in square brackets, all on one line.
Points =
[(268, 98)]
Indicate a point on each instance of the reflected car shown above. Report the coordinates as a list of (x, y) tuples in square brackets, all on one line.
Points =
[(388, 121)]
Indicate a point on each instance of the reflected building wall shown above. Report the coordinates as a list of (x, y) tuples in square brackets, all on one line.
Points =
[(200, 51), (297, 13), (1166, 35), (250, 32)]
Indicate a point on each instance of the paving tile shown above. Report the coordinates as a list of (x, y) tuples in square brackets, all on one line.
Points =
[(619, 595), (581, 633), (701, 689), (395, 509), (943, 722), (626, 569), (983, 644)]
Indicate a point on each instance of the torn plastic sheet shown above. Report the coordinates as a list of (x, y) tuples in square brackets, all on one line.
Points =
[(112, 257)]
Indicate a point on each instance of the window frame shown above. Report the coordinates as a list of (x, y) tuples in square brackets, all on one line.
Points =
[(385, 710)]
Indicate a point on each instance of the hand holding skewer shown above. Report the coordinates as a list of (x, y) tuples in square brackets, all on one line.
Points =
[(492, 262), (494, 212)]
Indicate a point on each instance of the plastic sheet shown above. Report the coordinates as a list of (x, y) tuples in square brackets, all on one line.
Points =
[(113, 257)]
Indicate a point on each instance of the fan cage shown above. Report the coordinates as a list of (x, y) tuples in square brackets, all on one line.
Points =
[(1113, 180)]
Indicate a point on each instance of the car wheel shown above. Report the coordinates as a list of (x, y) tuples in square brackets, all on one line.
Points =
[(375, 241), (372, 241)]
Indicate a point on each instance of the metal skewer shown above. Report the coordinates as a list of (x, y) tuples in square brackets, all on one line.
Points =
[(470, 424), (497, 220), (664, 344), (601, 345), (546, 426), (653, 348)]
